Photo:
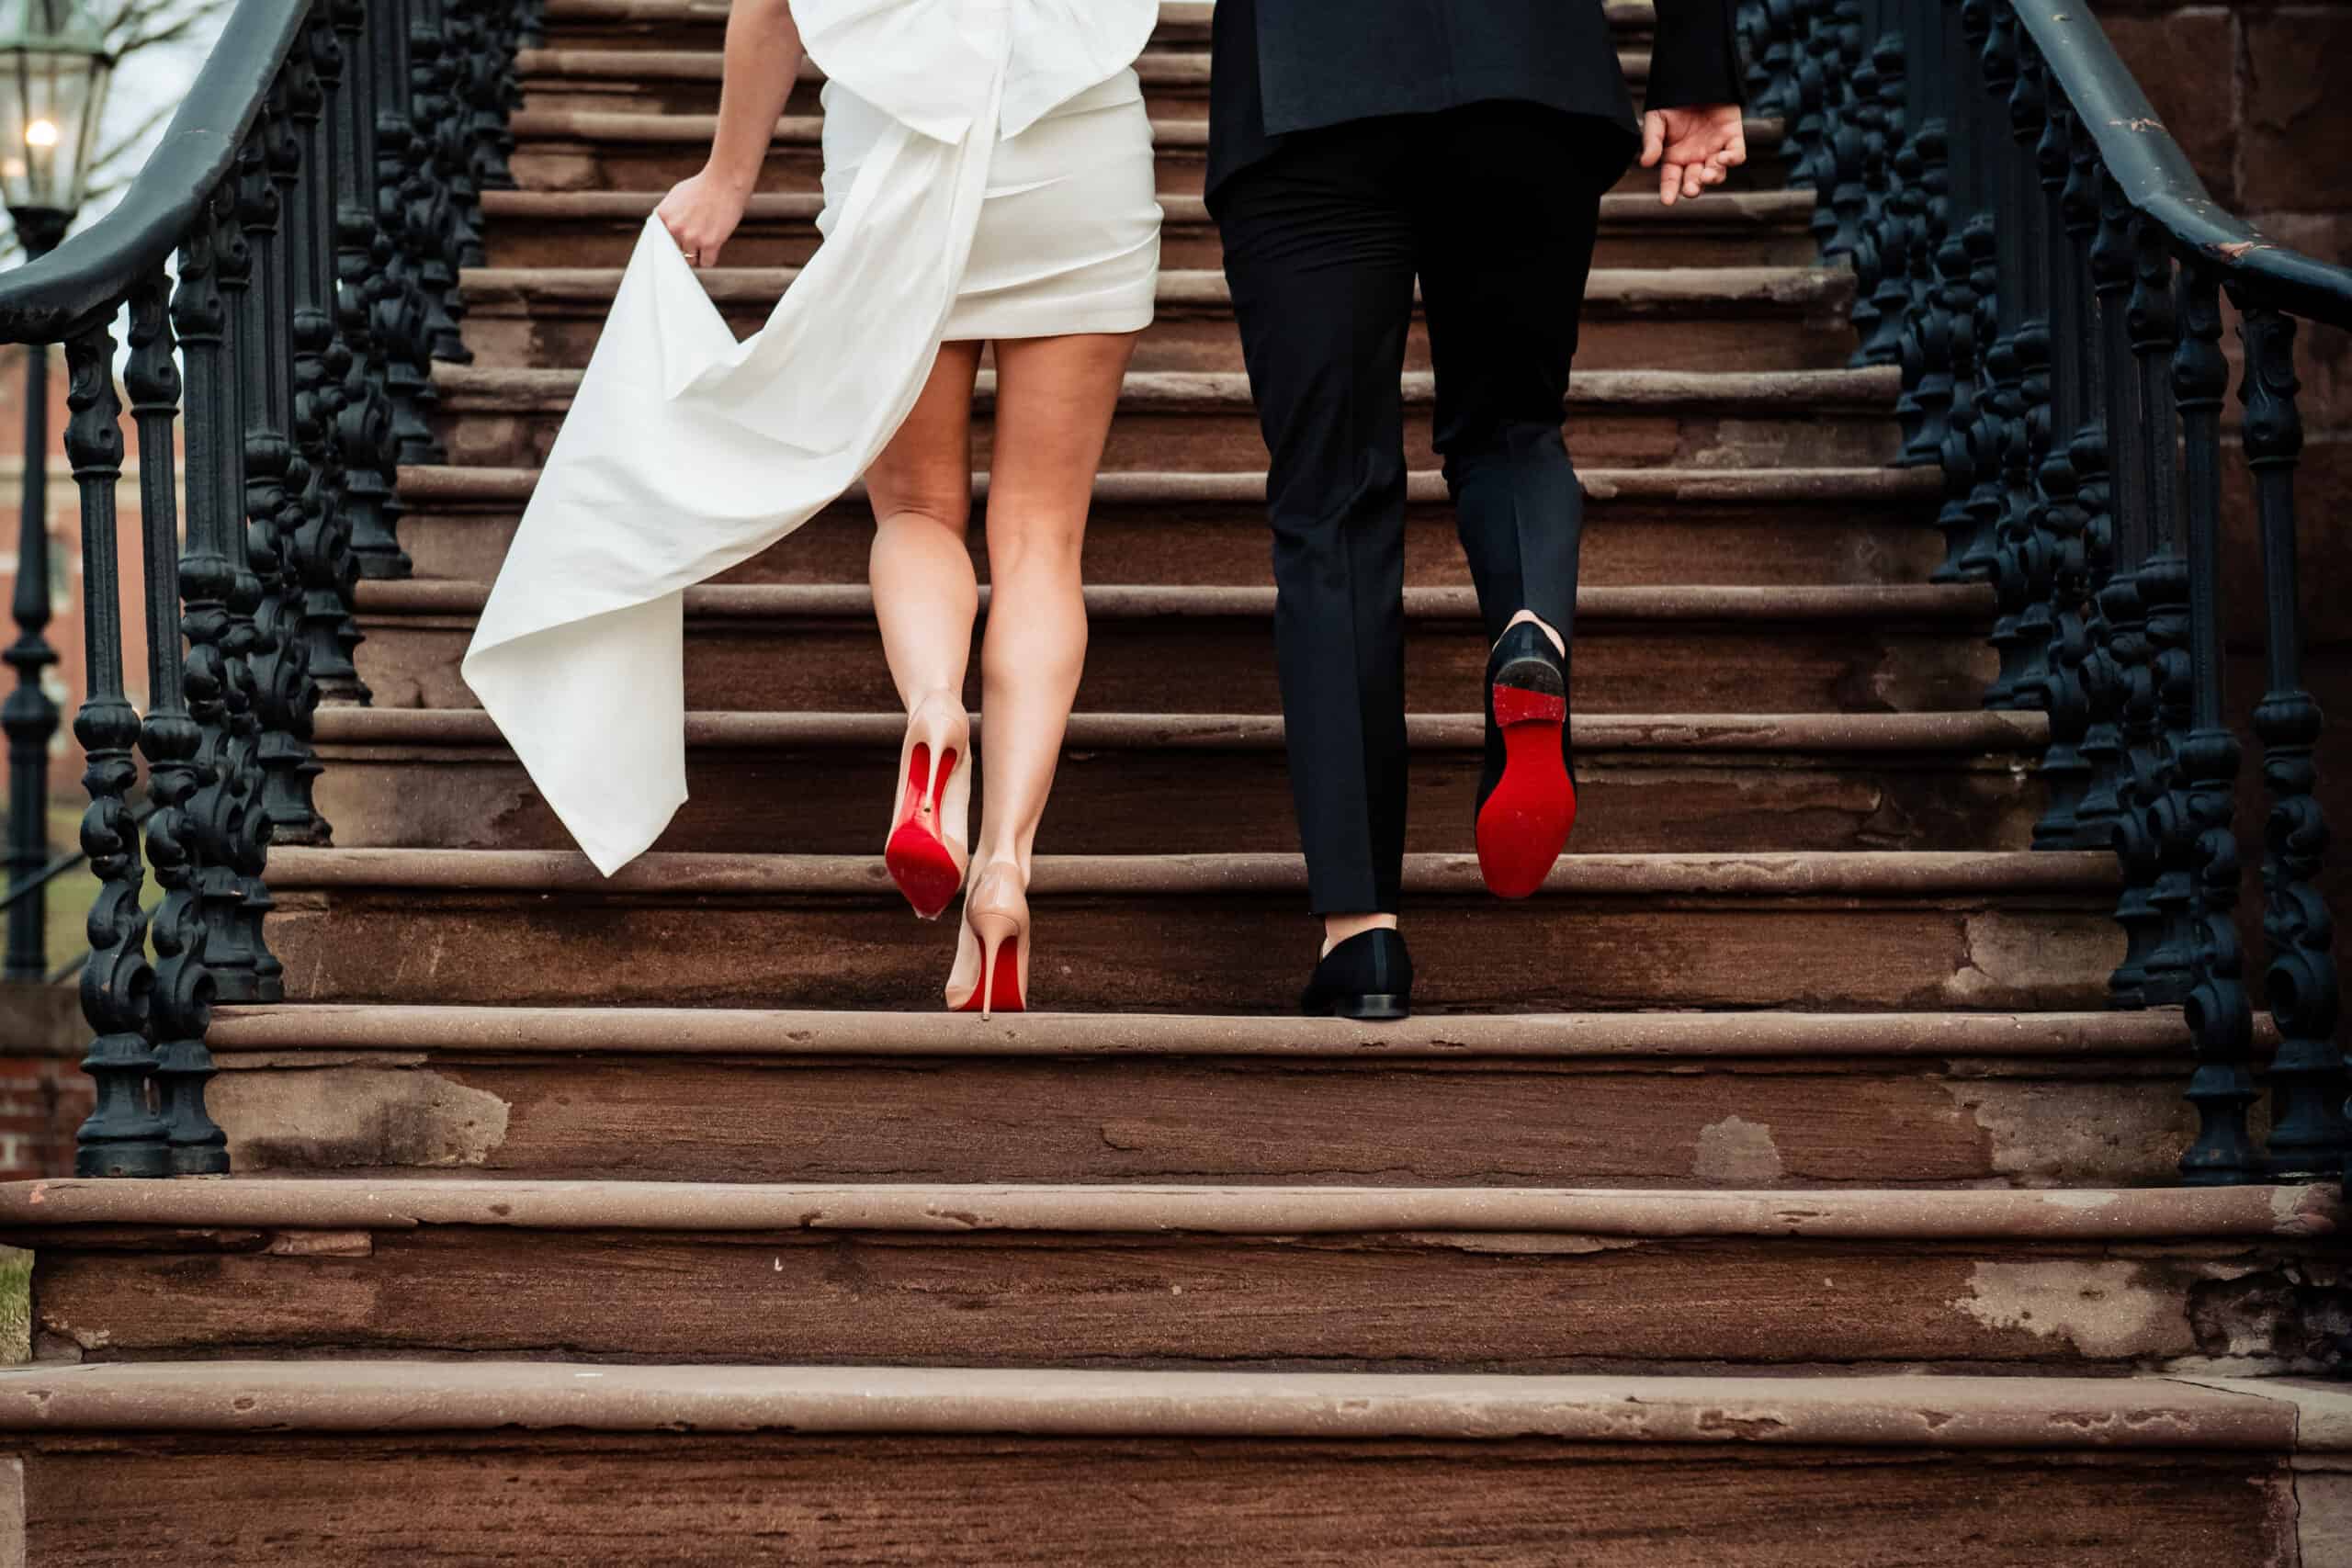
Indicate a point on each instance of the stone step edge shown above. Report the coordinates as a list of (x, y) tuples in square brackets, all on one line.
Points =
[(329, 1203), (609, 126), (1188, 16), (1172, 13), (267, 1035), (1970, 733), (1881, 1412), (436, 483), (1167, 65), (1789, 210), (1870, 390), (1872, 602), (2067, 874), (1742, 292)]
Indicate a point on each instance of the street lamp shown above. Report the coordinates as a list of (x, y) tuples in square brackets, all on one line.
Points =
[(54, 68)]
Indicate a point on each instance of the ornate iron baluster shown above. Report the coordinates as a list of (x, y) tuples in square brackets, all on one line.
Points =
[(2150, 644), (413, 211), (225, 815), (320, 568), (276, 477), (2309, 1135), (1892, 171), (435, 127), (2110, 553), (2073, 480), (29, 716), (1807, 131), (181, 1006), (1963, 425), (371, 311), (2022, 564), (1838, 225), (122, 1136), (2196, 811), (1927, 348)]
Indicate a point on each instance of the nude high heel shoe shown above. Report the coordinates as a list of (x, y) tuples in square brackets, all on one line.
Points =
[(926, 853), (991, 972)]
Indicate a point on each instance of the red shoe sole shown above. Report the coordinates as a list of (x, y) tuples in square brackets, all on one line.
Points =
[(1525, 823), (1008, 983), (918, 863)]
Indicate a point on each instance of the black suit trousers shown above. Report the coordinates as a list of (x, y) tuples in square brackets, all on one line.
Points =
[(1493, 208)]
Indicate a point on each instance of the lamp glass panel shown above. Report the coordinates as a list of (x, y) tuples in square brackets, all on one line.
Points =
[(53, 79)]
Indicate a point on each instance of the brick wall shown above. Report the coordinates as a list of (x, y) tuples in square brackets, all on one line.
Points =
[(43, 1095), (2259, 95)]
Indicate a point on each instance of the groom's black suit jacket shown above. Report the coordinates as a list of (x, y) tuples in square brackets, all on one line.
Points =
[(1289, 65)]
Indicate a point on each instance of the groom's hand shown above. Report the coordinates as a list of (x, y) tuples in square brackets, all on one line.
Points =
[(1693, 148)]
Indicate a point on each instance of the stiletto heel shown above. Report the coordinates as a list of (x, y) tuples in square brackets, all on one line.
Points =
[(925, 852), (996, 926)]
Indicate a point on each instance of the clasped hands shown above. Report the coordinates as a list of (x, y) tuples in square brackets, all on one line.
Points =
[(1693, 148)]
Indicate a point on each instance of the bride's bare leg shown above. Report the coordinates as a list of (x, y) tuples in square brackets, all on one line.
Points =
[(1054, 402), (1055, 399), (925, 598), (926, 595)]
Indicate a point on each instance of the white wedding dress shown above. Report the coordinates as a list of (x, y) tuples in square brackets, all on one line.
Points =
[(988, 174)]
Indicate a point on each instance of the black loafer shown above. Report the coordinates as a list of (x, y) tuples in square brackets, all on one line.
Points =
[(1368, 977)]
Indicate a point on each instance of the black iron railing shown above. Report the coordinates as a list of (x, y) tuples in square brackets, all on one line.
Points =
[(288, 260), (2031, 249), (2034, 251)]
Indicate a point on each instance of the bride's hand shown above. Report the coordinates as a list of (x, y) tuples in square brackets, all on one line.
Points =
[(701, 213)]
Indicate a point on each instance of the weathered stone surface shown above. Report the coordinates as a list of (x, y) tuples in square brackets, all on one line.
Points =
[(573, 1502), (598, 227), (1547, 1302), (1985, 932), (1894, 1412), (1667, 1123), (338, 1116), (2184, 59), (1762, 526), (814, 647), (444, 778), (568, 150), (1739, 318), (2298, 119), (1204, 420)]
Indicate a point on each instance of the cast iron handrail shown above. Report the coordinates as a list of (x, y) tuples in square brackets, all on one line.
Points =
[(2156, 180), (2032, 248), (71, 289), (290, 260)]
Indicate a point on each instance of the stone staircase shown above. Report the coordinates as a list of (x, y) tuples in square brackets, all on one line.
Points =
[(1774, 1188)]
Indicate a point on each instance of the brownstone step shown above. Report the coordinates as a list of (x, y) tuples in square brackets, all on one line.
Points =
[(680, 81), (1202, 933), (599, 227), (581, 1466), (603, 150), (1204, 420), (1742, 526), (444, 778), (1718, 319), (686, 81), (669, 25), (1394, 1279), (1731, 526), (1643, 1099), (769, 647)]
